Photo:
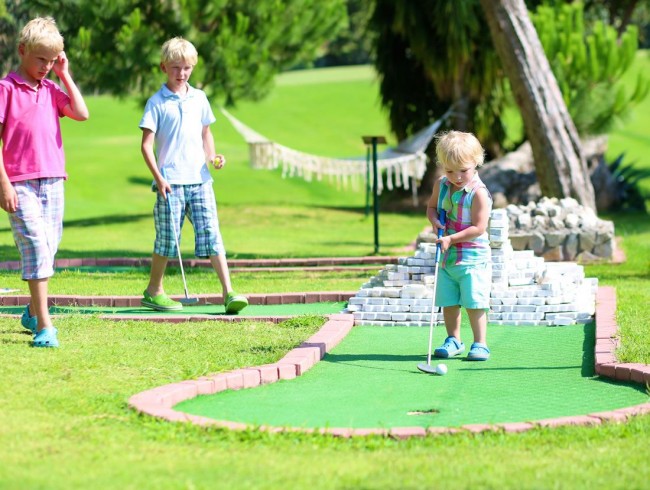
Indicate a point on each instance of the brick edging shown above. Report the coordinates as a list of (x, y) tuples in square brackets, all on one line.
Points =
[(607, 342), (204, 299), (236, 263), (158, 402)]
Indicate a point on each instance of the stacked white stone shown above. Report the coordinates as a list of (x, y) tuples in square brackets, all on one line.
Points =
[(559, 294), (400, 294), (525, 289), (500, 245), (498, 228)]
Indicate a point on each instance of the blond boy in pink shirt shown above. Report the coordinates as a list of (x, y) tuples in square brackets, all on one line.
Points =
[(32, 169)]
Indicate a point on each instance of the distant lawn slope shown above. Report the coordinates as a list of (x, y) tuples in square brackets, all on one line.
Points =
[(323, 112), (109, 202)]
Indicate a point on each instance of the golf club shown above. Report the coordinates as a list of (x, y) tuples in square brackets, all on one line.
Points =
[(427, 368), (186, 300)]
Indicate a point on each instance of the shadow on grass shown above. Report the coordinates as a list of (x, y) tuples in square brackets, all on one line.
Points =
[(144, 181), (588, 356), (355, 360), (105, 220), (361, 210), (98, 221)]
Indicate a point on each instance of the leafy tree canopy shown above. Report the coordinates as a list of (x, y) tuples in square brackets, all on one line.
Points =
[(588, 63), (114, 47)]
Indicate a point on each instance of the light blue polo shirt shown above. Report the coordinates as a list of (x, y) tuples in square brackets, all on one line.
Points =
[(178, 124)]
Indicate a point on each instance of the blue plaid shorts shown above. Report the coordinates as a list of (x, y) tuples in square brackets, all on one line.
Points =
[(37, 225), (198, 203)]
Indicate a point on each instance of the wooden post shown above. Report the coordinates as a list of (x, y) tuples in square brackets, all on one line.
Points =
[(374, 141)]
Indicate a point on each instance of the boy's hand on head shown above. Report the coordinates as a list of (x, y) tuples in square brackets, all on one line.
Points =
[(61, 65)]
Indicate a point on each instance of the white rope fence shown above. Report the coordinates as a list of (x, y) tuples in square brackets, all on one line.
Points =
[(403, 166)]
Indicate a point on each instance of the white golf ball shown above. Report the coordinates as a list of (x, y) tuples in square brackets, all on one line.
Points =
[(441, 369)]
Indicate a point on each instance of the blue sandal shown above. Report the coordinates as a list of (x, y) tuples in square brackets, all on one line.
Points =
[(46, 338), (452, 347), (28, 321), (478, 352)]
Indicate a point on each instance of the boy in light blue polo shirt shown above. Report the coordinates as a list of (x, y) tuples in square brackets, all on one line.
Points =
[(177, 122)]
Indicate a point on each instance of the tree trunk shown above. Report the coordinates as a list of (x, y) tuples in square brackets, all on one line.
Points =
[(560, 165)]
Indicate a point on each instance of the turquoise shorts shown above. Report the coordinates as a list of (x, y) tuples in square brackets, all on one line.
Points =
[(465, 285)]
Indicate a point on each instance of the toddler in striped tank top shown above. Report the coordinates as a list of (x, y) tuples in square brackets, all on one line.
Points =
[(465, 275)]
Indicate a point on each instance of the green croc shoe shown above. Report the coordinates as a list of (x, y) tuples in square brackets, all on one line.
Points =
[(234, 303), (162, 302)]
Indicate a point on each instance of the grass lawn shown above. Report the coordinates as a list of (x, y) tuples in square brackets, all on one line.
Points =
[(63, 416), (65, 411)]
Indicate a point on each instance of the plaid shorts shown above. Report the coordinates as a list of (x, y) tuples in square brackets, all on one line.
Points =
[(37, 225), (197, 202)]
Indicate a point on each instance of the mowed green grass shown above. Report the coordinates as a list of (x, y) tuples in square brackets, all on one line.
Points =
[(109, 202), (631, 136)]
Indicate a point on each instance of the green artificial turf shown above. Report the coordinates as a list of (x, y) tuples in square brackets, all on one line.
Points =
[(371, 380), (217, 310)]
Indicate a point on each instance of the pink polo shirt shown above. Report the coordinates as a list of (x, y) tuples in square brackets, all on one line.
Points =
[(32, 147)]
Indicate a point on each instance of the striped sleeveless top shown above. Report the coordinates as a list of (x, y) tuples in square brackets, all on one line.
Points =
[(458, 206)]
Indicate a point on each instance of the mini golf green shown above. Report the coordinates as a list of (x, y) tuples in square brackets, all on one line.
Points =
[(324, 308), (370, 380)]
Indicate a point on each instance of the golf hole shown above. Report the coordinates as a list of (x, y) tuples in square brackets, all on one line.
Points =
[(423, 412)]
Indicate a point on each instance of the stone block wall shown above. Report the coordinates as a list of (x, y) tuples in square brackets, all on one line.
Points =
[(557, 230), (560, 229), (526, 290)]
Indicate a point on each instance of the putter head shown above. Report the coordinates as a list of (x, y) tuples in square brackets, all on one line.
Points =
[(427, 368), (189, 301)]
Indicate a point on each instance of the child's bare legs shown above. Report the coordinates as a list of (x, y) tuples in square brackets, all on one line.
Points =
[(154, 296), (233, 302), (478, 321), (38, 302), (158, 266), (452, 345), (479, 350), (220, 265), (451, 315)]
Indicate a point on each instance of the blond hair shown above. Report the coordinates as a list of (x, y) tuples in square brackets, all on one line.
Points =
[(178, 49), (41, 32), (456, 150)]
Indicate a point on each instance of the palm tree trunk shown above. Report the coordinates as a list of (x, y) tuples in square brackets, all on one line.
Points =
[(560, 165)]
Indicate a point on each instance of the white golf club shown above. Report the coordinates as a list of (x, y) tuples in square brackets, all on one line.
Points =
[(427, 368), (186, 300)]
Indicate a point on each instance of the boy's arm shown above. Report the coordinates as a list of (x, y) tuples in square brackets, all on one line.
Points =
[(218, 161), (76, 109), (150, 159), (432, 207), (8, 196)]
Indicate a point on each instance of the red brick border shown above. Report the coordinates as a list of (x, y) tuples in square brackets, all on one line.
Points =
[(204, 299), (158, 402), (267, 264)]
